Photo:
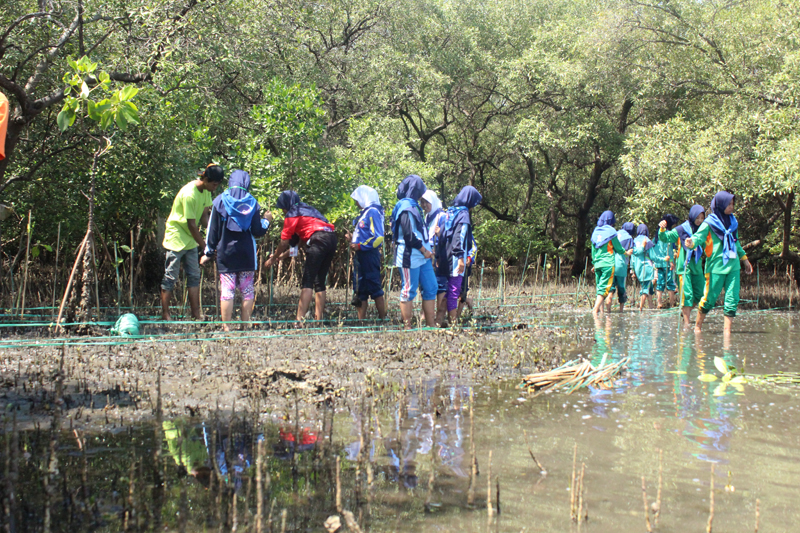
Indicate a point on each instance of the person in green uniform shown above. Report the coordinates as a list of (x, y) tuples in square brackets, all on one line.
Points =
[(182, 237), (719, 237), (689, 267), (663, 255), (604, 245), (643, 266), (621, 267)]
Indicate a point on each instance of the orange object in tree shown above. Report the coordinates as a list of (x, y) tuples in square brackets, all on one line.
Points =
[(3, 124)]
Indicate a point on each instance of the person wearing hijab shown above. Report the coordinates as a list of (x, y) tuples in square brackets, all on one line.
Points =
[(435, 218), (455, 243), (689, 267), (643, 267), (719, 236), (303, 223), (182, 237), (367, 242), (663, 255), (413, 251), (621, 262), (234, 225), (604, 245)]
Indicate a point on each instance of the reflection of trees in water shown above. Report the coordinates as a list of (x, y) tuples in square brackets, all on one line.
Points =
[(425, 423)]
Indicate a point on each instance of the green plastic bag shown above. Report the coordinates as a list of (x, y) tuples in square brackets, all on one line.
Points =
[(127, 325)]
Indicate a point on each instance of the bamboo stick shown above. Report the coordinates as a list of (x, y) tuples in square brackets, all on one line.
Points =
[(711, 502), (130, 278), (81, 249), (55, 275), (27, 263)]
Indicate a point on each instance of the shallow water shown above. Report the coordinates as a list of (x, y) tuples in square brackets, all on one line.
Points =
[(750, 434)]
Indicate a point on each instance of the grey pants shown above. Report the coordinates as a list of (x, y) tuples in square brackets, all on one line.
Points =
[(172, 268)]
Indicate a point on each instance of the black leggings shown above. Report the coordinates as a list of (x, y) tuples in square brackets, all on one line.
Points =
[(319, 254)]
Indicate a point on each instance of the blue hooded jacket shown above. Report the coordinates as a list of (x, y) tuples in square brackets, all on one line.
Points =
[(408, 229), (726, 227), (290, 201), (457, 234), (604, 231), (235, 247), (687, 229)]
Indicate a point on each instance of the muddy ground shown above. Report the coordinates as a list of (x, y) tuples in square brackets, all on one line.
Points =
[(273, 371), (267, 367)]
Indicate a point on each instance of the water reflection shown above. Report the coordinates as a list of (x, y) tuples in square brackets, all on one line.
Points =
[(402, 460)]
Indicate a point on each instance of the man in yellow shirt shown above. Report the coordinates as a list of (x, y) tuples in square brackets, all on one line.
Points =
[(182, 236)]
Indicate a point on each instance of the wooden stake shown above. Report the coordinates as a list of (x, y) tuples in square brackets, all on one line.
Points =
[(646, 511), (130, 278), (757, 514), (474, 467), (27, 262), (489, 508), (580, 493), (497, 479), (711, 501), (338, 484), (538, 464), (81, 250), (572, 484), (55, 275), (259, 489), (660, 479)]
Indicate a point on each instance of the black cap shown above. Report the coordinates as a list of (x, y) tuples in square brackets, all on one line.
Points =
[(213, 173)]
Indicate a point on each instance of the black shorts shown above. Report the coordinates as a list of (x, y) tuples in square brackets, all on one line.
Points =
[(319, 254)]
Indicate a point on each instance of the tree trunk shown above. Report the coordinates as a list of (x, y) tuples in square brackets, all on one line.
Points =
[(582, 231), (787, 254)]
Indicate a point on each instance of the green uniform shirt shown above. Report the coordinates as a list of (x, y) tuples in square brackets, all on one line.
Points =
[(604, 256), (189, 204), (661, 253), (641, 262), (712, 245), (672, 236)]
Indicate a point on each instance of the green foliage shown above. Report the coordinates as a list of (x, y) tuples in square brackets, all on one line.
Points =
[(283, 149), (554, 109), (116, 108)]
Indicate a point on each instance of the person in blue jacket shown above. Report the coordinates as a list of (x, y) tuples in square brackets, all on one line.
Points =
[(457, 240), (366, 242), (643, 267), (621, 265), (236, 220), (413, 251), (663, 256), (435, 217)]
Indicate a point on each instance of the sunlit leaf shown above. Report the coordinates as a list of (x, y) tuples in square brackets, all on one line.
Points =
[(720, 390), (707, 377), (719, 362), (63, 119)]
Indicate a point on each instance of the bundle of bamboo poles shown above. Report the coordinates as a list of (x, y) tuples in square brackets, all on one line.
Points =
[(573, 375)]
